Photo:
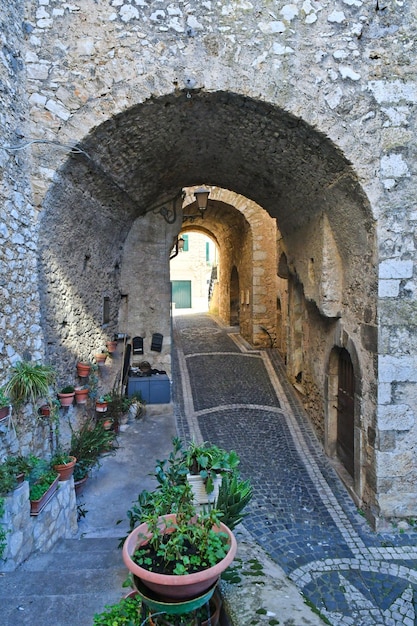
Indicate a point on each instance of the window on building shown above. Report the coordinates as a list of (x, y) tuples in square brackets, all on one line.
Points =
[(106, 310), (186, 243)]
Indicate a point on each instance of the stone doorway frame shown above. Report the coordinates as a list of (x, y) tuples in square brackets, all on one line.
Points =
[(354, 485)]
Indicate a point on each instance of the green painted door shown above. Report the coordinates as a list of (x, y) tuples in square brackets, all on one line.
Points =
[(181, 294)]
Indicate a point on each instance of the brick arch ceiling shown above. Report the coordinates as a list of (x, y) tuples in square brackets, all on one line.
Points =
[(149, 152)]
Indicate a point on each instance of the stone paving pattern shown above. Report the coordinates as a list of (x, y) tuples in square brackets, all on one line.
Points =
[(301, 513)]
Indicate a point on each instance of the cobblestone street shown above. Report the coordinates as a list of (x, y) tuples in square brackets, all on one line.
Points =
[(301, 514)]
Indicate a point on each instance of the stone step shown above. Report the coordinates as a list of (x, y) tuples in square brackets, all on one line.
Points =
[(76, 555), (66, 586), (64, 592), (68, 610)]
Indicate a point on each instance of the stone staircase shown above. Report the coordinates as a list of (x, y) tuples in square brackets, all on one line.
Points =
[(64, 587)]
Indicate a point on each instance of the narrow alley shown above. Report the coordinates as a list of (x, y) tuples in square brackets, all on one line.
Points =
[(301, 514)]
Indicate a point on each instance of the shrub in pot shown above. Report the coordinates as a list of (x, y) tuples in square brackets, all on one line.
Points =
[(29, 381), (43, 482), (176, 551), (87, 445), (66, 395), (63, 463), (181, 555), (210, 462)]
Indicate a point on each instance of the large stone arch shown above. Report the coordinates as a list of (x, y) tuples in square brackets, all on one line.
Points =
[(111, 197)]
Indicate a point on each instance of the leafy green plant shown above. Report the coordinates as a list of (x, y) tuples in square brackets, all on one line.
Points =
[(13, 467), (8, 480), (173, 491), (40, 479), (68, 389), (209, 461), (234, 495), (188, 545), (88, 444), (61, 457), (124, 613), (118, 404), (29, 381)]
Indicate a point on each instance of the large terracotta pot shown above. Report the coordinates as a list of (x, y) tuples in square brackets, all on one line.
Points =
[(172, 586), (66, 470)]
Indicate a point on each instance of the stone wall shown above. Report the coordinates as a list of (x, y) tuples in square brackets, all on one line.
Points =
[(306, 108), (27, 534), (20, 328)]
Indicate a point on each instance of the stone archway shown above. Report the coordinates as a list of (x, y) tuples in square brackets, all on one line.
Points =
[(123, 192)]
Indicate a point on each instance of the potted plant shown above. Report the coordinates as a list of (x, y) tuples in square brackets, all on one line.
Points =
[(4, 404), (63, 463), (102, 403), (43, 483), (181, 555), (87, 445), (83, 369), (29, 381), (175, 551), (66, 395), (172, 488), (81, 394), (16, 467), (111, 346), (118, 406), (100, 357), (206, 465)]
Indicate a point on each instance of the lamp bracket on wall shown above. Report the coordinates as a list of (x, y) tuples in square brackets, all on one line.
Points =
[(168, 209)]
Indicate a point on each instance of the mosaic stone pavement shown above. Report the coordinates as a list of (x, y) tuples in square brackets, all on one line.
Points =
[(301, 514)]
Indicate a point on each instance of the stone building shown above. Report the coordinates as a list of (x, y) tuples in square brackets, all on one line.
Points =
[(299, 117)]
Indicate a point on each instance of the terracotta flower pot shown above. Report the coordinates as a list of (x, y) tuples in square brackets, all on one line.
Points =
[(66, 470), (66, 399), (79, 485), (100, 358), (101, 407), (83, 369), (44, 410), (81, 395), (171, 586), (4, 412), (111, 346)]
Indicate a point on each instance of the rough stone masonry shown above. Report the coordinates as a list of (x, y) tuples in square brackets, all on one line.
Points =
[(307, 108)]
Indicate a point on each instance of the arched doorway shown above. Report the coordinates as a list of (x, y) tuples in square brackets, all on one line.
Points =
[(345, 445)]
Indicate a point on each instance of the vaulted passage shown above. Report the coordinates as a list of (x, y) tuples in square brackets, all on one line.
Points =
[(305, 283)]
